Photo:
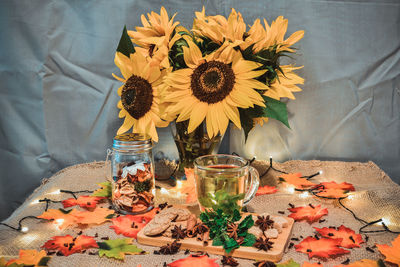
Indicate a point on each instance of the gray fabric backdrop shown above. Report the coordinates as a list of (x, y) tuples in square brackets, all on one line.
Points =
[(58, 98)]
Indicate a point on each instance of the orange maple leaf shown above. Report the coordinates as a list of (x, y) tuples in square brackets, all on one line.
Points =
[(332, 193), (62, 218), (310, 213), (188, 186), (349, 238), (97, 216), (68, 245), (392, 253), (322, 248), (362, 263), (266, 189), (87, 202), (333, 189), (31, 258), (294, 179), (129, 225), (307, 264), (203, 261), (333, 185)]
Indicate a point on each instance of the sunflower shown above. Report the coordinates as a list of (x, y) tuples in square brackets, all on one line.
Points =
[(140, 98), (155, 37), (264, 38), (212, 88), (219, 29), (285, 83)]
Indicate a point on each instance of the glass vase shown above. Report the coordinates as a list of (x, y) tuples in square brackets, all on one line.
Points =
[(194, 144)]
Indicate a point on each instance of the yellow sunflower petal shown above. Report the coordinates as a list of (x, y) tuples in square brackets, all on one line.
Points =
[(128, 123), (119, 92), (198, 116), (118, 78), (232, 113)]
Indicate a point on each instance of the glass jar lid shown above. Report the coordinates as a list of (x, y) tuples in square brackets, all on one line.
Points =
[(132, 141)]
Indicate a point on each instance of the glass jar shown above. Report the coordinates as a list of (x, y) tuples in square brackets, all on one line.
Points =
[(133, 185)]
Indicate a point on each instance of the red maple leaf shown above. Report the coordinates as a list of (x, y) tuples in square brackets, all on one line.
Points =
[(201, 261), (349, 238), (296, 180), (150, 214), (129, 225), (309, 213), (322, 248), (87, 202), (266, 189), (68, 245)]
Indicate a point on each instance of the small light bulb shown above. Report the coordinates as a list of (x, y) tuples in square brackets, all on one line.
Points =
[(153, 191), (305, 194), (55, 192), (59, 222), (163, 190), (213, 201), (386, 221), (321, 172), (350, 197), (36, 201), (24, 229), (270, 157), (290, 189), (179, 184)]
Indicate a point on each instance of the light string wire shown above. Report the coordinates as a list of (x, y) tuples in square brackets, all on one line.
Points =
[(319, 188), (20, 228)]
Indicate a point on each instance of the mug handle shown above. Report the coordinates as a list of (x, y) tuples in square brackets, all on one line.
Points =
[(254, 183)]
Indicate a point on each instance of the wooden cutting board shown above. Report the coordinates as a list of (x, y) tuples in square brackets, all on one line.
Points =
[(274, 255)]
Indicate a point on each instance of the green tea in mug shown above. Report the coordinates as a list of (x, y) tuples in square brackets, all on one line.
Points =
[(224, 181)]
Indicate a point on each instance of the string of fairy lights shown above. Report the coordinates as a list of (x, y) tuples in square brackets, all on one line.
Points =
[(24, 229), (384, 222)]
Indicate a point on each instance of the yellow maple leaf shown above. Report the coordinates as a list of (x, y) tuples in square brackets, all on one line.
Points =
[(392, 253), (31, 258)]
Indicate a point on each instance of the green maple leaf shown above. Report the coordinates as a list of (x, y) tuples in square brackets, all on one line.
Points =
[(104, 191), (289, 263), (117, 248)]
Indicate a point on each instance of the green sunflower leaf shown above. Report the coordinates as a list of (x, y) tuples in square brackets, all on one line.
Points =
[(125, 45), (276, 110), (118, 248)]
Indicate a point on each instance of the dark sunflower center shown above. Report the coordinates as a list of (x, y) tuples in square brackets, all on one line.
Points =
[(212, 81), (137, 96)]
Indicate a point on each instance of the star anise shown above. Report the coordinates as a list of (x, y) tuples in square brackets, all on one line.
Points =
[(230, 261), (178, 233), (232, 230), (170, 249), (198, 229), (264, 264), (264, 223), (263, 244)]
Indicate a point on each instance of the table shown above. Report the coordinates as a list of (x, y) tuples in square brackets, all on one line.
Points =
[(376, 196)]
